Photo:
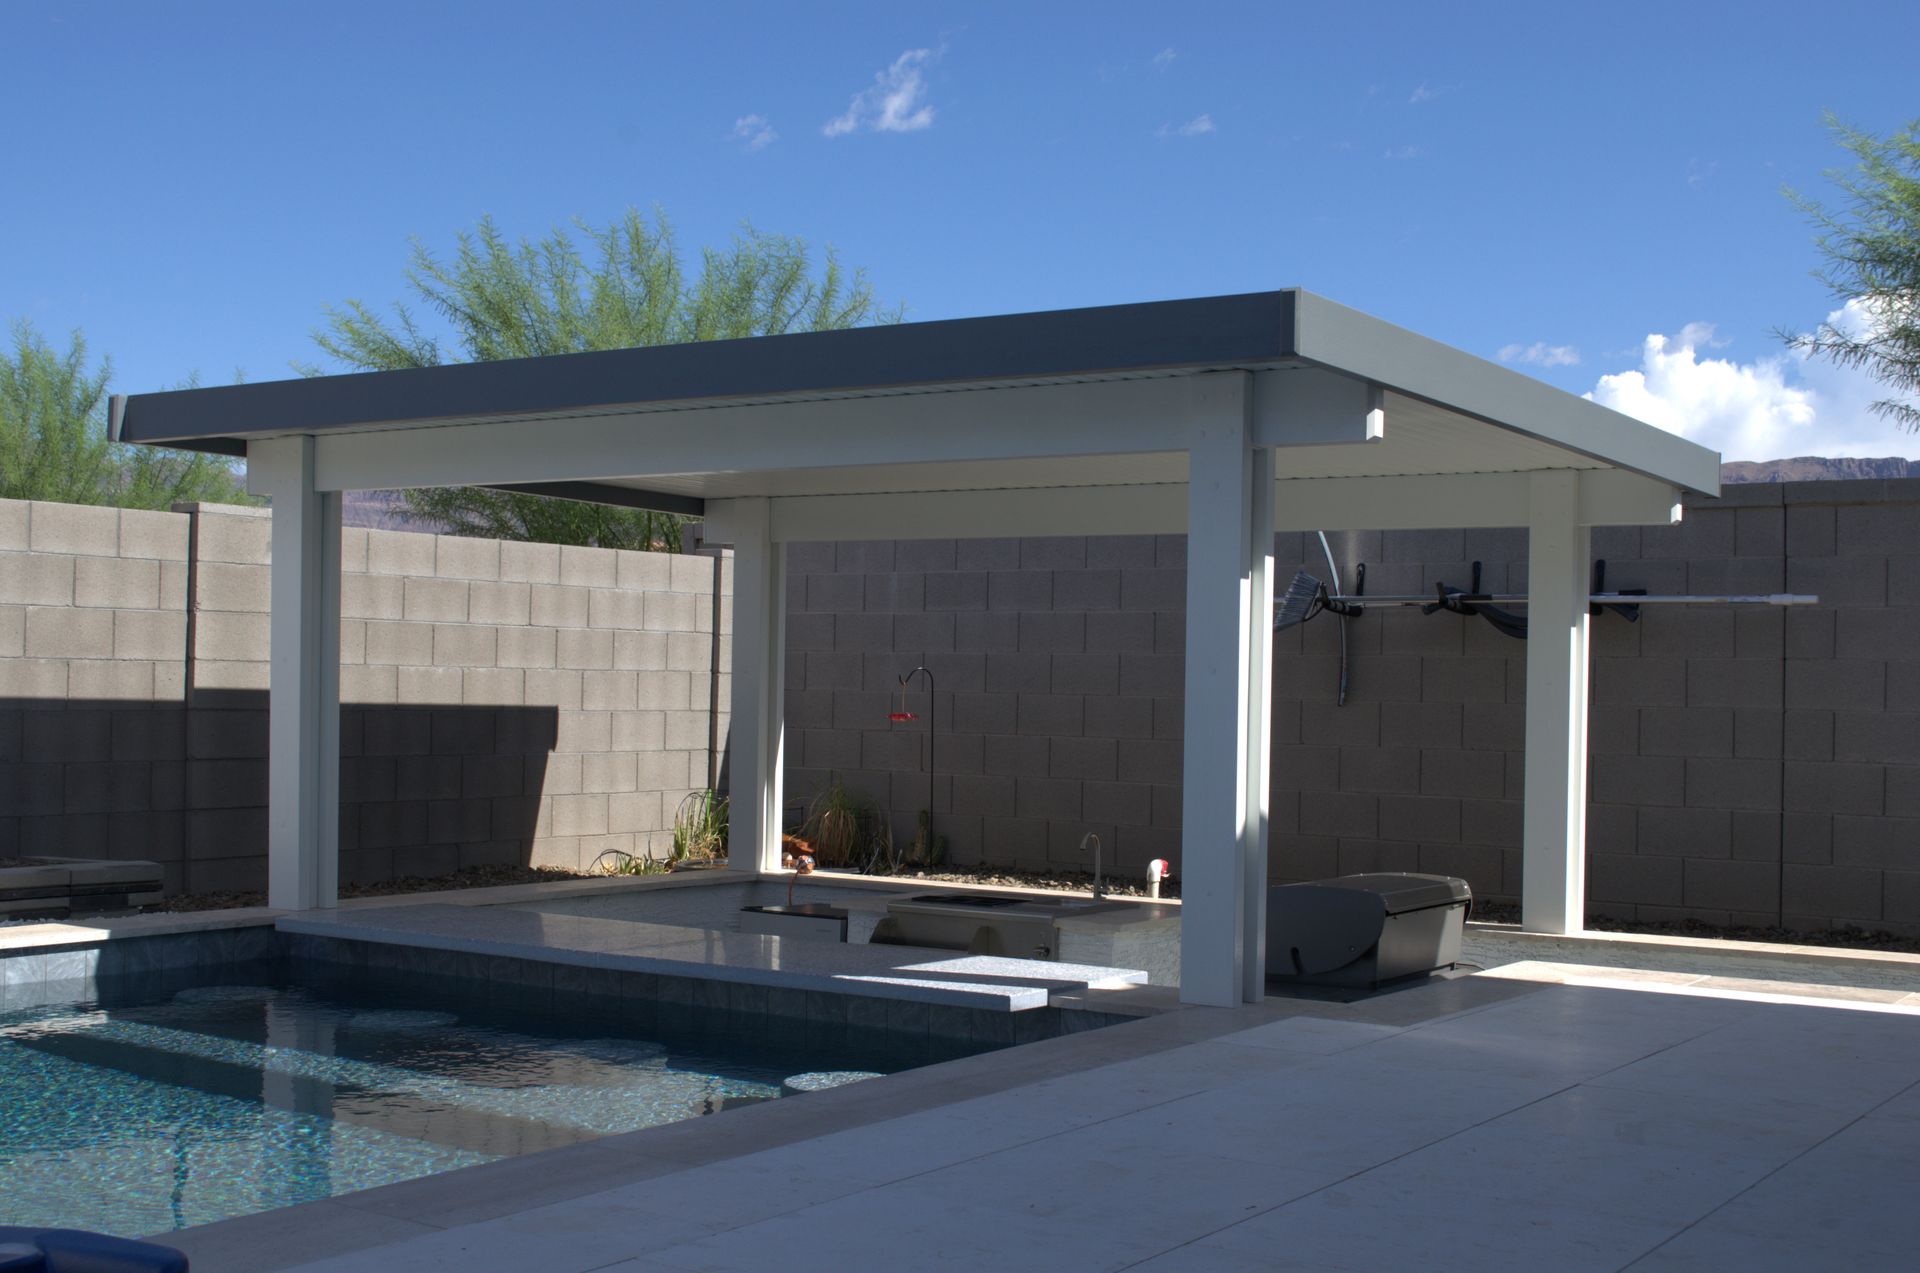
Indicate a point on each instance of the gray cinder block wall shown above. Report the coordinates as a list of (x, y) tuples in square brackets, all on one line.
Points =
[(1058, 672), (502, 703), (513, 702), (1747, 766)]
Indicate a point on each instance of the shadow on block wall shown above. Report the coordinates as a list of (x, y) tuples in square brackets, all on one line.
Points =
[(423, 790)]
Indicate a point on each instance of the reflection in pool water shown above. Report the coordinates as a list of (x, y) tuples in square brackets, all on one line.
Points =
[(188, 1105)]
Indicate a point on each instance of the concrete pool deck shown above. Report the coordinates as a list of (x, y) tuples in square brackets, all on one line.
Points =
[(1647, 1121), (1605, 1101)]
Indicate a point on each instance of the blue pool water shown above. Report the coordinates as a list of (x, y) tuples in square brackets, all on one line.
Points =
[(188, 1104)]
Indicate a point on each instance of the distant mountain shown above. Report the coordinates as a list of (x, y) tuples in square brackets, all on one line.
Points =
[(1814, 468)]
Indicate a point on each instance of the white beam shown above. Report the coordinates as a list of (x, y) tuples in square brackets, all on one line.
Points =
[(756, 745), (1602, 497), (303, 738), (1145, 509), (1222, 809), (1307, 406), (1117, 417), (1106, 418), (1616, 497), (1553, 868), (1607, 497)]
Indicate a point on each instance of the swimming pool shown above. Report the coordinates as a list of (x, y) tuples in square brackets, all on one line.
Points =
[(154, 1106)]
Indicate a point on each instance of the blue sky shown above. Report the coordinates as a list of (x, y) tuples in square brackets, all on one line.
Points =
[(192, 185)]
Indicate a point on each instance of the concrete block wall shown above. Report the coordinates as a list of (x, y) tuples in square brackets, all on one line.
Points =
[(501, 702), (1420, 769), (92, 678), (583, 679), (526, 702), (1759, 766), (1750, 766), (1058, 671)]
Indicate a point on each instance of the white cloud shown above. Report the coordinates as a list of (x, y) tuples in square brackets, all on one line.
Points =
[(1425, 93), (1778, 406), (1541, 354), (1404, 152), (1198, 126), (895, 103), (754, 132), (1163, 59)]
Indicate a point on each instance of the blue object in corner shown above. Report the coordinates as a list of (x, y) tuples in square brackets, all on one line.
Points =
[(77, 1251)]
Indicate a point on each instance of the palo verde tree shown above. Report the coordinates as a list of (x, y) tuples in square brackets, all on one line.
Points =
[(587, 288), (1872, 250), (54, 444)]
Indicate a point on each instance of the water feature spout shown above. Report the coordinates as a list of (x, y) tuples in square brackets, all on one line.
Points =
[(1099, 889), (802, 865)]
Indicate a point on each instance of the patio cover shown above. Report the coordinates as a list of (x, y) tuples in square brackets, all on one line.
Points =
[(1223, 418)]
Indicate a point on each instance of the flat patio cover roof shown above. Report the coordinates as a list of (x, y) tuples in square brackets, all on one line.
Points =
[(619, 419), (1223, 419)]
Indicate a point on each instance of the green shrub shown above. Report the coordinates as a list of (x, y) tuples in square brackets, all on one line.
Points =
[(839, 825), (700, 827)]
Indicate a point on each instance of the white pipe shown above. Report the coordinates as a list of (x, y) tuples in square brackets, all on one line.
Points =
[(1598, 598)]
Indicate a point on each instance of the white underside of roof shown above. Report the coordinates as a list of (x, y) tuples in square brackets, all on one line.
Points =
[(1420, 439)]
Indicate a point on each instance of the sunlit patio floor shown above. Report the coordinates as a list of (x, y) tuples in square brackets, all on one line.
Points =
[(1547, 1116)]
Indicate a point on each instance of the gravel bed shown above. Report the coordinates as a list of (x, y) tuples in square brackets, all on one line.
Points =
[(1065, 881), (1846, 938)]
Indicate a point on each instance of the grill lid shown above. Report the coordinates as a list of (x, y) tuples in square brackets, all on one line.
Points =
[(1401, 891)]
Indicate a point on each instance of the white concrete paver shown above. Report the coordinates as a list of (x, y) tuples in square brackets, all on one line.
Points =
[(1848, 1203), (1570, 1128)]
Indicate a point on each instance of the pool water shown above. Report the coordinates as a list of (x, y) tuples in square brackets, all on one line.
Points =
[(138, 1113)]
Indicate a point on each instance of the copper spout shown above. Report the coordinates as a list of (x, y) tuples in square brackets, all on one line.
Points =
[(802, 865)]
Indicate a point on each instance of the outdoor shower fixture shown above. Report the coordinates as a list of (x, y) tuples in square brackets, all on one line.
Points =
[(1305, 597), (904, 715)]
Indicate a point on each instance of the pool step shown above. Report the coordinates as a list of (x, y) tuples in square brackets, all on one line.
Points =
[(327, 1083), (867, 971)]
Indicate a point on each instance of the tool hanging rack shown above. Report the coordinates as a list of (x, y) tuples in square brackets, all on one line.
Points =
[(1307, 598)]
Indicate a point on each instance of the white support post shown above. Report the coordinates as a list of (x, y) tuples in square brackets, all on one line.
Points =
[(303, 739), (1259, 729), (1229, 618), (1553, 869), (756, 749)]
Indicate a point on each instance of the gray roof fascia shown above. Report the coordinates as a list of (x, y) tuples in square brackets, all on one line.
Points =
[(1254, 329)]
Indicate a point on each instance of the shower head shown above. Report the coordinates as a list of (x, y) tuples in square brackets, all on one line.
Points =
[(1298, 603)]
